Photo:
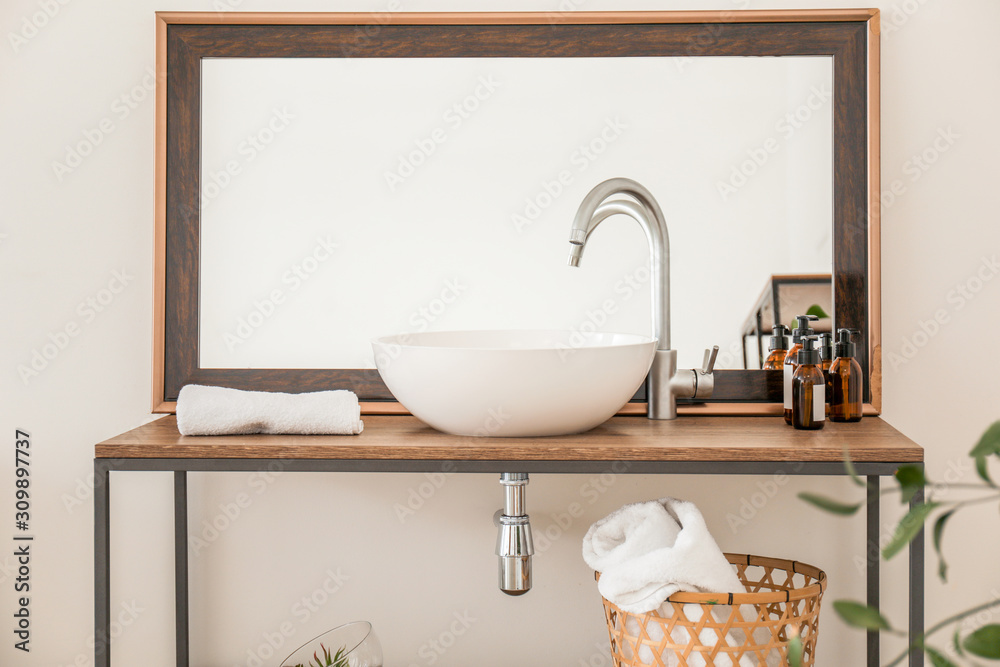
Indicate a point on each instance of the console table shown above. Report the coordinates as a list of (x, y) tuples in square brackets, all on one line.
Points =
[(706, 445)]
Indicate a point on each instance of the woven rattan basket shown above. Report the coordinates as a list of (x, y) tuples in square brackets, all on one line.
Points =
[(715, 630)]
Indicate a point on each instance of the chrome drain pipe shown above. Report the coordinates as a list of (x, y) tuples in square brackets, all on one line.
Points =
[(514, 544)]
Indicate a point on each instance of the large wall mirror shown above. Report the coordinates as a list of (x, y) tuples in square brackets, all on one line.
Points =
[(328, 178)]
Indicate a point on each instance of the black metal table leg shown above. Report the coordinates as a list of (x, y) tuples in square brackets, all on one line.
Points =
[(872, 560), (181, 566), (102, 564), (917, 588)]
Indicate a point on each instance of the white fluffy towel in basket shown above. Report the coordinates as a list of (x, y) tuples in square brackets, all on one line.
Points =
[(648, 551)]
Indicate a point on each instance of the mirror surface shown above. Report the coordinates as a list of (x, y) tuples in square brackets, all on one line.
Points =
[(344, 199)]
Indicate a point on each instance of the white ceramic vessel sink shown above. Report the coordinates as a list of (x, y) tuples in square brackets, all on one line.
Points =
[(513, 383)]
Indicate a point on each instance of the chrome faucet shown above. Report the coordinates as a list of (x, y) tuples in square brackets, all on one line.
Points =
[(665, 383)]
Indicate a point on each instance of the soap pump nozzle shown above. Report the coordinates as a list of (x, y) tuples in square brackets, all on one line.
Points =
[(802, 329), (826, 349), (845, 345), (779, 338), (809, 355)]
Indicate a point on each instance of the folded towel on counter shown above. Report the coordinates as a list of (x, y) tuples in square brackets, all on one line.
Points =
[(203, 410), (643, 560), (648, 551)]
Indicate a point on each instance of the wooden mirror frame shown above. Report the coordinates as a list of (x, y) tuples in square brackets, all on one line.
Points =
[(183, 39)]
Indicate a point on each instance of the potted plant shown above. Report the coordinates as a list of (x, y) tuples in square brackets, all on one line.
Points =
[(358, 647), (966, 645)]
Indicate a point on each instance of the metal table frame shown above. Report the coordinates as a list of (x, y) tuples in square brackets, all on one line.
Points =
[(181, 466)]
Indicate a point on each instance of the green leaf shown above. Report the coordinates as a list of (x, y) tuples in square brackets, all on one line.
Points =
[(861, 616), (937, 658), (849, 466), (816, 310), (938, 532), (982, 469), (911, 479), (988, 445), (795, 651), (830, 505), (908, 527), (984, 642)]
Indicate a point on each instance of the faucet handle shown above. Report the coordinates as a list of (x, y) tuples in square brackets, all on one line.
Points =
[(709, 364)]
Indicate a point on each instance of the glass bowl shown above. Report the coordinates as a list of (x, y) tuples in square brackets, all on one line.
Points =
[(350, 645)]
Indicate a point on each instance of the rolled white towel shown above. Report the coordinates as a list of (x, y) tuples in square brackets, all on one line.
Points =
[(627, 533), (652, 570), (203, 410)]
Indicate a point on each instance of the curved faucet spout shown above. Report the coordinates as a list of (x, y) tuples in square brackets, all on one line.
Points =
[(596, 207), (665, 383)]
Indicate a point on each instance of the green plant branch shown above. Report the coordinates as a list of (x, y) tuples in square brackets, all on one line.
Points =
[(939, 626)]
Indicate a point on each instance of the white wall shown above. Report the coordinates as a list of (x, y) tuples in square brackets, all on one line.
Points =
[(62, 240)]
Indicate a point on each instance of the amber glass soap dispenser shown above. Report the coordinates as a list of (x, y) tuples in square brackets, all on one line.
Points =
[(808, 388), (825, 351), (845, 380), (791, 359), (778, 348)]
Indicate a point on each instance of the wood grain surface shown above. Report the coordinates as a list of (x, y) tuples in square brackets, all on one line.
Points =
[(619, 439)]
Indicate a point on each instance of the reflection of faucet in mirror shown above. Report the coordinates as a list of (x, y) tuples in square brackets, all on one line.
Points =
[(665, 383)]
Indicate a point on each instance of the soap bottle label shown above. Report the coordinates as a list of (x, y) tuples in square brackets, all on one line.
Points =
[(819, 402), (789, 370)]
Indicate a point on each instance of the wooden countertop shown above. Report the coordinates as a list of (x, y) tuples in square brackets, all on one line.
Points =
[(398, 437)]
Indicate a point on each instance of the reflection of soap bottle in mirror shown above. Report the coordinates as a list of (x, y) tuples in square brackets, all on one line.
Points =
[(825, 351), (825, 360), (845, 380), (778, 348), (808, 388), (791, 359)]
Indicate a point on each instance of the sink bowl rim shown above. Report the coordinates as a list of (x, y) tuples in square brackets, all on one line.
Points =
[(611, 339)]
